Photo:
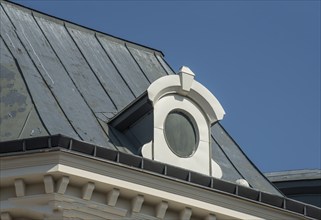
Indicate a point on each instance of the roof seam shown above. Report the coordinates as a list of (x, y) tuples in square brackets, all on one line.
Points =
[(137, 64), (254, 166), (7, 16), (130, 89), (51, 92), (228, 157), (166, 64), (90, 67), (161, 64), (68, 74), (27, 87), (25, 123)]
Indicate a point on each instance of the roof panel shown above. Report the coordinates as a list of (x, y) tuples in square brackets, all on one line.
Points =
[(56, 77), (229, 172), (100, 63), (165, 65), (126, 65), (148, 63), (243, 165), (17, 112), (76, 66), (49, 111)]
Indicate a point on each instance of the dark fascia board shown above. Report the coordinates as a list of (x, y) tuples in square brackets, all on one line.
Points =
[(300, 187), (132, 113), (69, 145), (81, 27)]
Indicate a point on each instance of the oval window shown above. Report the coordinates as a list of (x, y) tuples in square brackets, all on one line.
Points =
[(181, 133)]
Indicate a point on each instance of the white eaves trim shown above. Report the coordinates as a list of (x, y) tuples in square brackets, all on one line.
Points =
[(131, 181)]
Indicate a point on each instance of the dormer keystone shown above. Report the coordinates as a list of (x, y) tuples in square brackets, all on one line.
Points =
[(187, 78)]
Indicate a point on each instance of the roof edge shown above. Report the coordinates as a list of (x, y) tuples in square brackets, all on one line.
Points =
[(294, 175), (250, 161), (70, 145), (82, 27)]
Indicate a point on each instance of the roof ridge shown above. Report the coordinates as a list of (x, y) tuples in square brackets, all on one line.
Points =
[(83, 28), (294, 171)]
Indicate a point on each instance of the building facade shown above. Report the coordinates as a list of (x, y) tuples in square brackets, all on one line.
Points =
[(98, 127)]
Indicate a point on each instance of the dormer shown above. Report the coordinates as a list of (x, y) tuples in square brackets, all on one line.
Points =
[(172, 123)]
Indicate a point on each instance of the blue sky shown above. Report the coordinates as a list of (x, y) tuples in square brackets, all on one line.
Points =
[(261, 59)]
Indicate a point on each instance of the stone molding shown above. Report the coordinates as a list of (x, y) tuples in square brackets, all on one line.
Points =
[(140, 193)]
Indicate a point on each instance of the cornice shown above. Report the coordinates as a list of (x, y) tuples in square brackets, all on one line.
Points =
[(132, 181)]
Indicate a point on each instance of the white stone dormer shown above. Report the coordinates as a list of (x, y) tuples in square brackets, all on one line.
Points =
[(183, 112)]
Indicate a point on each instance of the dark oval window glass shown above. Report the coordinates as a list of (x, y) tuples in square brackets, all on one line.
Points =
[(181, 134)]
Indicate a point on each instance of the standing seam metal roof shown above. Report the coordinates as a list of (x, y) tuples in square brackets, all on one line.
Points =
[(73, 74), (61, 78)]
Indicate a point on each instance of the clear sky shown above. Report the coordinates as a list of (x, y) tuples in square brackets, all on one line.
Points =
[(261, 59)]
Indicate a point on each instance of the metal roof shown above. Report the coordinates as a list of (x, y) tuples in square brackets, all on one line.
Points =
[(294, 175), (302, 185), (61, 78)]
